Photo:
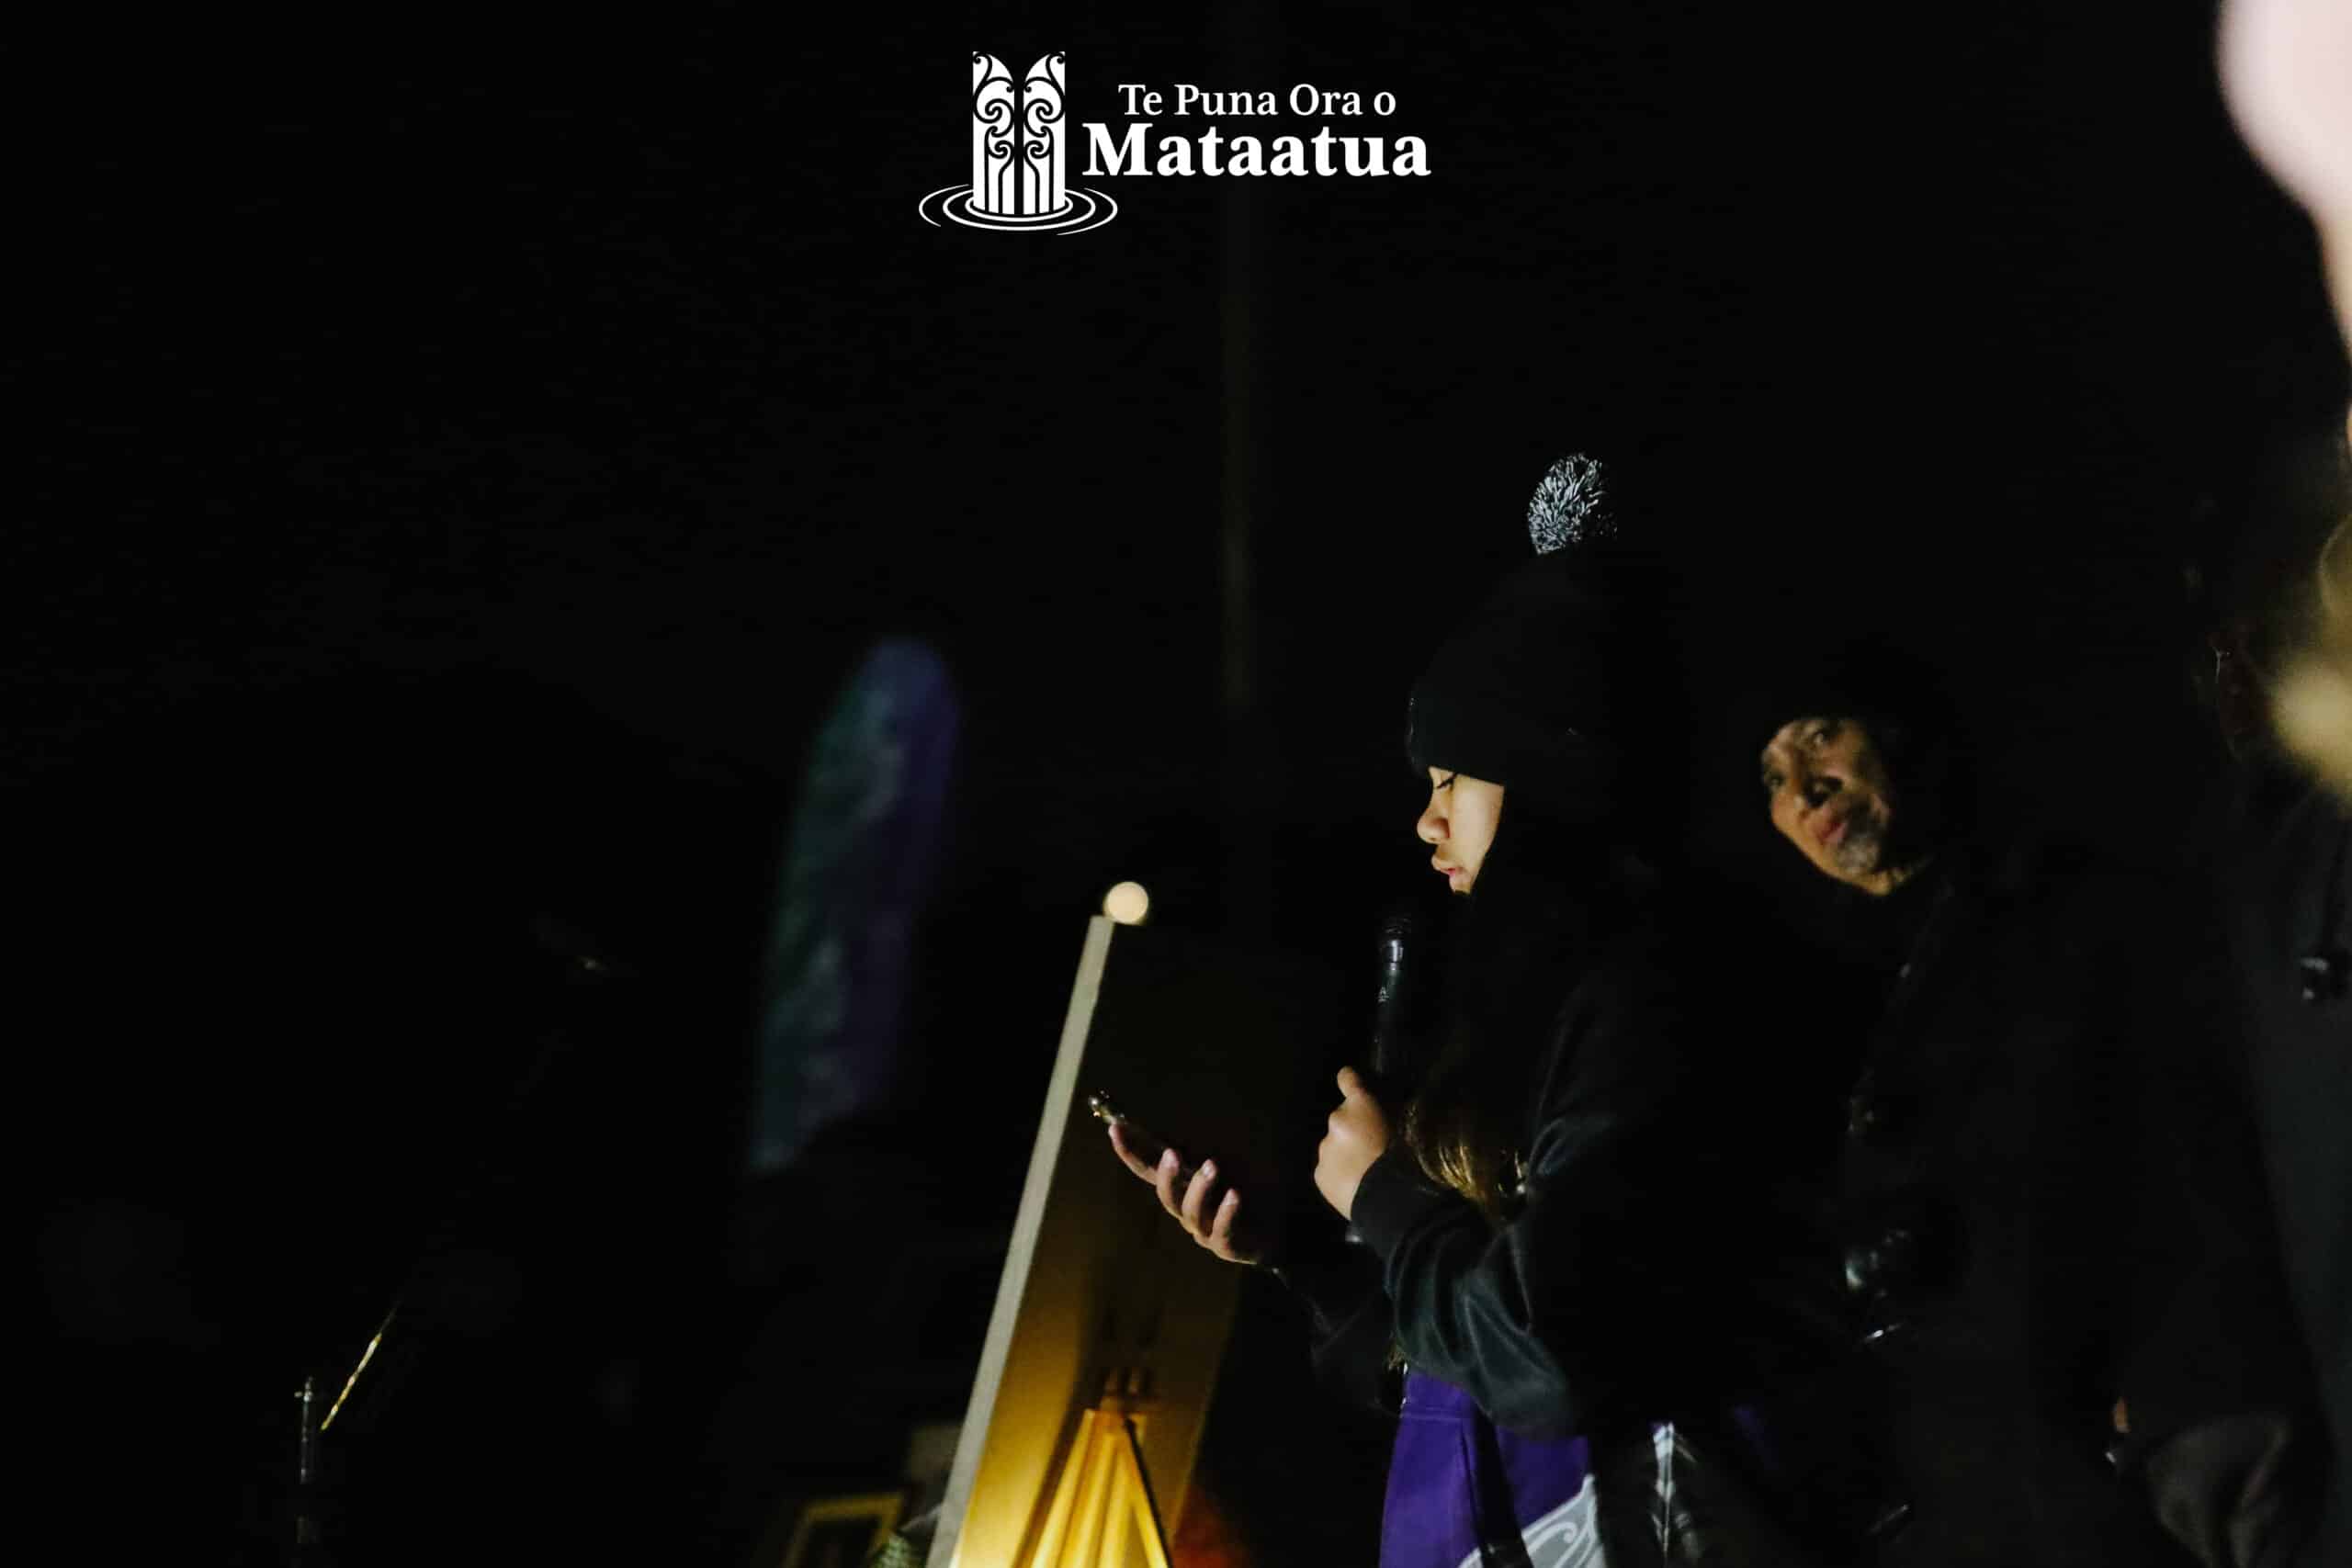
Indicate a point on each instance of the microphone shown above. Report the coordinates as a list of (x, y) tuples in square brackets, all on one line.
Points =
[(1389, 1064), (1399, 948)]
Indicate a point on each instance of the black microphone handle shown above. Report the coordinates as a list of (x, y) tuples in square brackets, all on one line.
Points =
[(1387, 1066), (1399, 947)]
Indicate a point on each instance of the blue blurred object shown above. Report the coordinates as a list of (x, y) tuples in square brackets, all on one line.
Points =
[(864, 843)]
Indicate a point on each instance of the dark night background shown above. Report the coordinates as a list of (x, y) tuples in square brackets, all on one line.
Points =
[(468, 451)]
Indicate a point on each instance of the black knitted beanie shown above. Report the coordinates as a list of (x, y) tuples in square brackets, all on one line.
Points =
[(1539, 692)]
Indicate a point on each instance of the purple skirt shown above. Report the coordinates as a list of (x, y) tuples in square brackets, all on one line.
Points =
[(1463, 1493)]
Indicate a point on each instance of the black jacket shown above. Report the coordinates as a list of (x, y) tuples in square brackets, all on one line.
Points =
[(2033, 1196), (1565, 1315), (2287, 896), (1653, 1267)]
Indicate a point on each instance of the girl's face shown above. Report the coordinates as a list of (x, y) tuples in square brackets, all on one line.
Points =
[(1459, 825)]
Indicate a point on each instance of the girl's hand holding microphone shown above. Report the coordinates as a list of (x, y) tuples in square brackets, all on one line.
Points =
[(1356, 1135)]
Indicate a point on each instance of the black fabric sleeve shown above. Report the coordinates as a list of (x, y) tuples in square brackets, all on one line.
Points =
[(2216, 1382), (2212, 1333), (2230, 1491), (1350, 1329), (1551, 1320)]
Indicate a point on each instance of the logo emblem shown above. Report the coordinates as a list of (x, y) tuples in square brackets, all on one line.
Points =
[(1019, 158)]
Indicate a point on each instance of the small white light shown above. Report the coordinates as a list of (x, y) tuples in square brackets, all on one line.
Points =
[(1127, 903)]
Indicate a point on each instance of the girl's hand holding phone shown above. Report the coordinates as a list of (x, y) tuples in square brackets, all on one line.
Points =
[(1209, 1210)]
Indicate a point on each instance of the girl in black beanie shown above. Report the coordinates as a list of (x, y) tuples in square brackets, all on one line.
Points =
[(1552, 1251)]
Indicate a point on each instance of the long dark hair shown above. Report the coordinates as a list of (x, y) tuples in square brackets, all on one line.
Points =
[(1547, 894)]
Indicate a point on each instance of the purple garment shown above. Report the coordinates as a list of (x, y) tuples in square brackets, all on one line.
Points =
[(1464, 1492)]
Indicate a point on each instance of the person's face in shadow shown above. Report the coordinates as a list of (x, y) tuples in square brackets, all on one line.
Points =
[(1830, 793), (1459, 825)]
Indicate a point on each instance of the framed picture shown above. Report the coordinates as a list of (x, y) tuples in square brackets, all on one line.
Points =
[(841, 1532), (1197, 1037)]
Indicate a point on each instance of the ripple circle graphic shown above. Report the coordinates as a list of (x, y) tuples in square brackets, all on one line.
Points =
[(1087, 209)]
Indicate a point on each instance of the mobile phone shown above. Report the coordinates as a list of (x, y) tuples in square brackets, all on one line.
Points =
[(1147, 1144)]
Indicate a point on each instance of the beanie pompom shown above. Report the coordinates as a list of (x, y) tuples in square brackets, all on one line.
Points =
[(1550, 690), (1571, 505)]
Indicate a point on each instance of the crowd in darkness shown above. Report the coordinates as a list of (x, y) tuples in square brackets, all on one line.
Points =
[(1968, 1193), (1905, 956), (2086, 1190)]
